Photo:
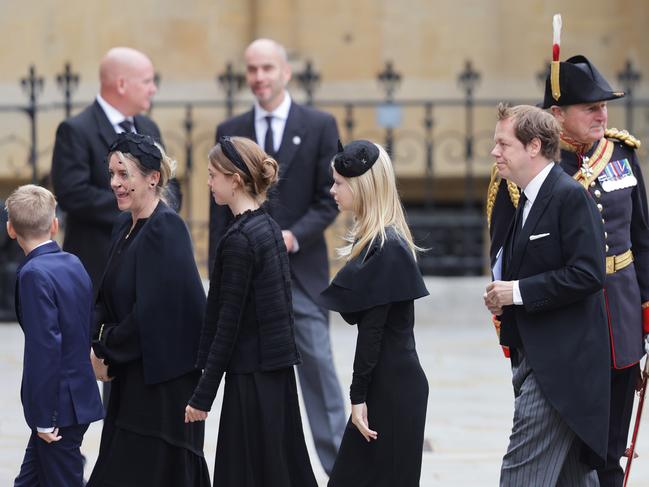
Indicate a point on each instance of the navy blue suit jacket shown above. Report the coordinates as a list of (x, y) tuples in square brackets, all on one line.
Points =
[(300, 201), (54, 307)]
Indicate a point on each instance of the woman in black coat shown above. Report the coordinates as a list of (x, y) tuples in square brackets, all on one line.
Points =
[(376, 289), (150, 305), (248, 333)]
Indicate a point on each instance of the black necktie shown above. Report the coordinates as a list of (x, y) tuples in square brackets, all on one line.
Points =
[(518, 219), (269, 144), (518, 223), (126, 125), (522, 201)]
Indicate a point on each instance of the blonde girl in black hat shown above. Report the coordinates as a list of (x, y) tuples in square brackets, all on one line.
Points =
[(376, 289)]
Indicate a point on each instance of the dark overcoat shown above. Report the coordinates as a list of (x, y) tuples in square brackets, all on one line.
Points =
[(558, 259)]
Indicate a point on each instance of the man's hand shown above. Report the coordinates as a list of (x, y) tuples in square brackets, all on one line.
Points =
[(289, 240), (193, 414), (359, 419), (50, 437), (498, 295), (100, 367)]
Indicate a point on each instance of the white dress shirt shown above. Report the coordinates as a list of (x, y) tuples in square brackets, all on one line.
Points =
[(278, 122), (43, 243), (531, 192), (115, 117), (280, 116)]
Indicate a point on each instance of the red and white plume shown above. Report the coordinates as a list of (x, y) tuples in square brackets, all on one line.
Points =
[(556, 36), (555, 86)]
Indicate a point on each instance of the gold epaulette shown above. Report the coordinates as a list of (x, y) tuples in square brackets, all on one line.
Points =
[(492, 191), (623, 136)]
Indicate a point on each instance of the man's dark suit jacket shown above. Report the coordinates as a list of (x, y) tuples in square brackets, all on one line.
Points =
[(300, 202), (82, 183), (54, 307), (562, 323)]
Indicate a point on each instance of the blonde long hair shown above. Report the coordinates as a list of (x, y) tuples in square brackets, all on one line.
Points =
[(376, 206)]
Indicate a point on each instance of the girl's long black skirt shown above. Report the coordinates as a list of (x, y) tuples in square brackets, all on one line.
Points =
[(261, 441)]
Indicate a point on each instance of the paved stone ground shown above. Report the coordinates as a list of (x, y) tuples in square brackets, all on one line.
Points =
[(469, 408)]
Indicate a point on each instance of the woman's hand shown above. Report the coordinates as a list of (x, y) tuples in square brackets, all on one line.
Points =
[(100, 367), (359, 419), (192, 414)]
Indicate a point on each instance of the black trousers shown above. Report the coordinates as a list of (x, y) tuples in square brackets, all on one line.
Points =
[(623, 384)]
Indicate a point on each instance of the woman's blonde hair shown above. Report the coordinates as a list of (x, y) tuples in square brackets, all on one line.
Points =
[(167, 169), (376, 206), (263, 169)]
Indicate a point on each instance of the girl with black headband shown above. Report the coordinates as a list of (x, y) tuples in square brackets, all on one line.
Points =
[(382, 444), (248, 333)]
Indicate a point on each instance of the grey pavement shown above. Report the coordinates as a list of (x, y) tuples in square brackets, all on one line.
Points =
[(469, 409)]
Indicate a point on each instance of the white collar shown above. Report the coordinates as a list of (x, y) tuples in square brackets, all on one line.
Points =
[(534, 186), (42, 243), (280, 112), (115, 117)]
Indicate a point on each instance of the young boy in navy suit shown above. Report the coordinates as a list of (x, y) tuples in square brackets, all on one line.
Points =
[(54, 306)]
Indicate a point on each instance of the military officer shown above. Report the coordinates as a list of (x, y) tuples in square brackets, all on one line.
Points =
[(605, 162)]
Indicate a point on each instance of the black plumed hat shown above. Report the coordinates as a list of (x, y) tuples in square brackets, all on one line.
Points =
[(579, 82)]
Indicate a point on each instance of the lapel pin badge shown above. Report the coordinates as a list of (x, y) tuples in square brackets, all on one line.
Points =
[(297, 140)]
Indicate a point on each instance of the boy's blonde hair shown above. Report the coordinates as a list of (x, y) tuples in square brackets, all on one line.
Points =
[(31, 210), (376, 206)]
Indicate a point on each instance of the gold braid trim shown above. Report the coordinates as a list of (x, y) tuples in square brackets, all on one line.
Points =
[(571, 145), (492, 191), (514, 193), (623, 136), (555, 85)]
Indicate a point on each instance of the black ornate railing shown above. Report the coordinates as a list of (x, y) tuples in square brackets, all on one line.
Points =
[(440, 146)]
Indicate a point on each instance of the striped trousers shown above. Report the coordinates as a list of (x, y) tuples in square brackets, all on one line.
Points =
[(543, 451)]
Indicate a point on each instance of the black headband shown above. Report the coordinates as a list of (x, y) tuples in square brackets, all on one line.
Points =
[(231, 152), (355, 158), (140, 146)]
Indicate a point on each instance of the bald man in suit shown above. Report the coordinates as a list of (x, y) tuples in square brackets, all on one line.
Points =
[(79, 169)]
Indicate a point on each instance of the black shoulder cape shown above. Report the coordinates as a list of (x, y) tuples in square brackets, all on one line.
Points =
[(170, 302), (382, 275)]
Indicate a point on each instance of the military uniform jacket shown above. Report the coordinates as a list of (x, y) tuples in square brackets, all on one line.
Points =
[(620, 195)]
